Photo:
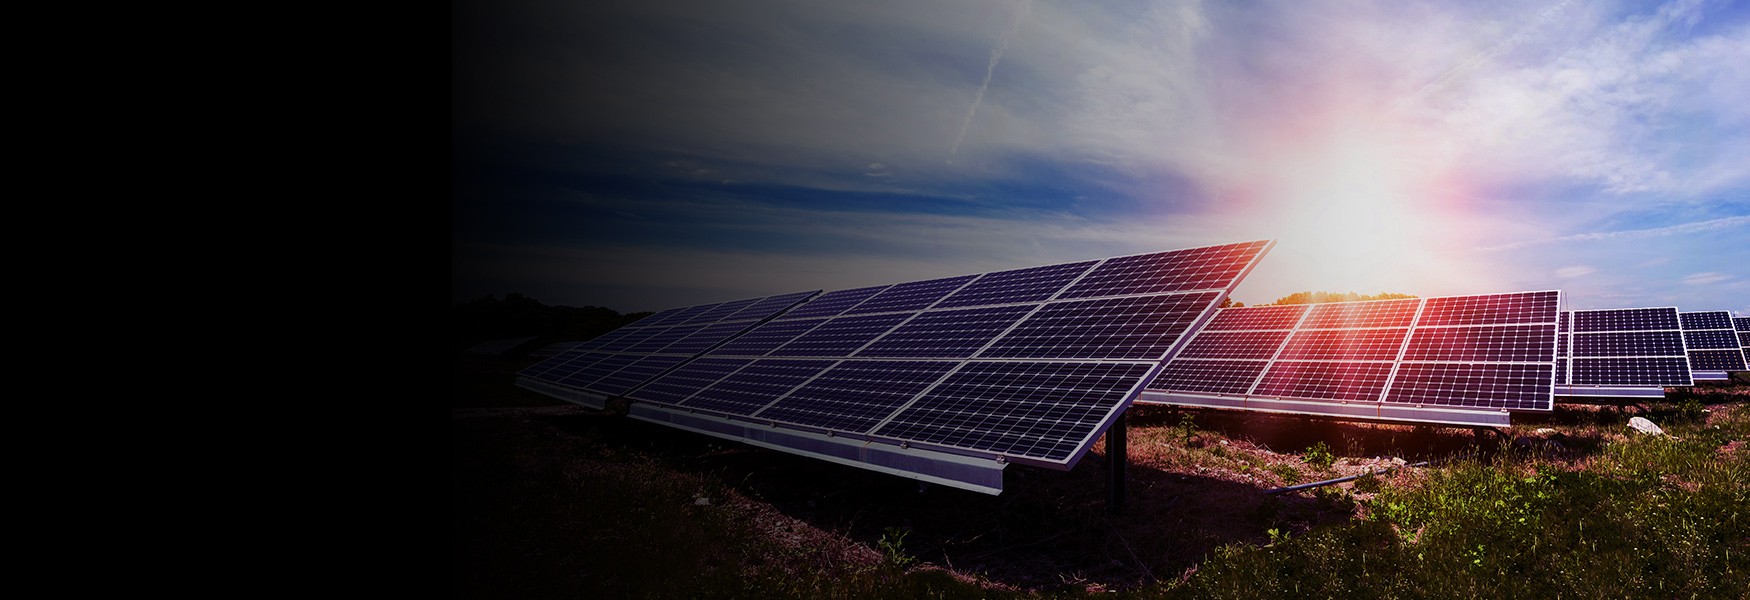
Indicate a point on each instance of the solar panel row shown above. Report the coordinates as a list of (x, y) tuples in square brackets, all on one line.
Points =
[(1480, 353), (1028, 364), (1712, 343)]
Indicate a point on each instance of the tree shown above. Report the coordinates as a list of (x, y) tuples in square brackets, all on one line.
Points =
[(1310, 297)]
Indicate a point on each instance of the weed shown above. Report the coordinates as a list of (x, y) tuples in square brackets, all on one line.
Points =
[(892, 546), (1187, 426), (1287, 472), (1368, 484), (1320, 457)]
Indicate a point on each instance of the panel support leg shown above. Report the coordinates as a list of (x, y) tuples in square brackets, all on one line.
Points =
[(1117, 463)]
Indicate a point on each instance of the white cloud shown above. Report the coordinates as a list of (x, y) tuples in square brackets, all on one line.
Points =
[(1685, 228), (1575, 271), (1706, 278)]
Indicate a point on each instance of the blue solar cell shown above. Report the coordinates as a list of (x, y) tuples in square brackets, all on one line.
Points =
[(1561, 371), (1234, 344), (1629, 343), (1116, 328), (585, 377), (766, 337), (1643, 371), (642, 369), (946, 334), (671, 316), (1020, 285), (1345, 344), (1214, 376), (911, 296), (1210, 268), (768, 306), (856, 394), (754, 386), (1501, 386), (840, 336), (1353, 381), (1741, 323), (1377, 313), (1743, 339), (1490, 309), (832, 303), (1711, 319), (682, 382), (559, 367), (718, 311), (660, 338), (705, 337), (632, 337), (1256, 317), (1042, 410), (1710, 340), (1508, 343), (1716, 360), (1625, 319)]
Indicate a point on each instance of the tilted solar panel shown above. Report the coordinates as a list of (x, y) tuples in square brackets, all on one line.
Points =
[(1625, 352), (626, 358), (1456, 359), (950, 379), (1713, 346)]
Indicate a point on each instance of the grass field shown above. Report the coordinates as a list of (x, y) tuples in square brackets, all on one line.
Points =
[(551, 500)]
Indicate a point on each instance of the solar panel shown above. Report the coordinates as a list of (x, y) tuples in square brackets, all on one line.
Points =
[(1457, 359), (626, 358), (1713, 347), (951, 379), (1623, 352)]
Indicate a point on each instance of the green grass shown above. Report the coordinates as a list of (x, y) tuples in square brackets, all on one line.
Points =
[(577, 507)]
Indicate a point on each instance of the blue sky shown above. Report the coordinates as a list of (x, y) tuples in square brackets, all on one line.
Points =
[(651, 155)]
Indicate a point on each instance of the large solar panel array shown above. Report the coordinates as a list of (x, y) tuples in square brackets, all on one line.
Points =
[(1456, 359), (950, 379), (625, 358), (1622, 352), (1712, 344)]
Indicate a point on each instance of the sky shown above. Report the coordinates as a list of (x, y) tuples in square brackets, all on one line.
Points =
[(643, 156)]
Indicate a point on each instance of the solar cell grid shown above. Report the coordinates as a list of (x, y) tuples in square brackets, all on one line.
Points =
[(840, 336), (1629, 343), (1114, 328), (1508, 343), (1213, 376), (1710, 340), (1743, 339), (680, 383), (1256, 317), (719, 311), (1215, 267), (1716, 360), (622, 343), (1324, 380), (584, 376), (1344, 344), (661, 337), (1020, 285), (1625, 319), (1234, 344), (640, 370), (1490, 309), (1042, 410), (946, 334), (1561, 371), (1741, 323), (1379, 313), (856, 394), (832, 303), (1710, 319), (755, 385), (702, 338), (763, 308), (1496, 386), (1643, 371), (766, 337), (910, 296)]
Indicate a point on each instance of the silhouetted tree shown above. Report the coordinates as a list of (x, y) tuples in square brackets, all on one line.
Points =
[(1322, 297)]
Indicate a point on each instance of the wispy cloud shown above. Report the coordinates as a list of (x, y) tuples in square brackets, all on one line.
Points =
[(1575, 271), (1696, 227), (1706, 278)]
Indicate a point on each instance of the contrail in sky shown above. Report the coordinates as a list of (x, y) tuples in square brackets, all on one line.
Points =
[(1468, 66), (996, 54), (1696, 227)]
